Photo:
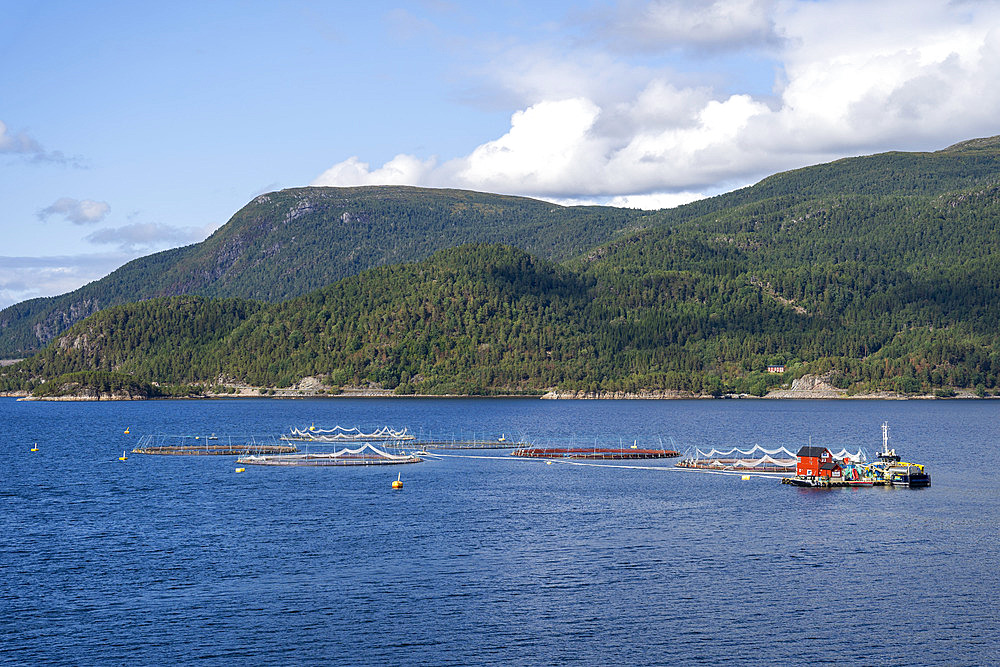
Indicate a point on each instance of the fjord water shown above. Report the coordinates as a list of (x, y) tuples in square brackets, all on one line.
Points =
[(495, 560)]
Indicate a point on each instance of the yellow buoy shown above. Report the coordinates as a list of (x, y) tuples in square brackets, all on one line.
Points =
[(126, 430), (35, 448), (123, 457), (398, 484), (548, 463), (240, 469), (746, 477)]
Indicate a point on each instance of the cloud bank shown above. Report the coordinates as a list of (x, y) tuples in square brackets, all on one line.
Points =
[(23, 278), (24, 146), (611, 123), (146, 236), (77, 211)]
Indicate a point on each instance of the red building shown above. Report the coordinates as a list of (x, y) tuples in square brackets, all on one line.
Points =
[(811, 461), (832, 471)]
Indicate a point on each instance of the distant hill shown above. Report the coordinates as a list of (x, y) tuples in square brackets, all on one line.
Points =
[(882, 270), (284, 244), (962, 165), (874, 292)]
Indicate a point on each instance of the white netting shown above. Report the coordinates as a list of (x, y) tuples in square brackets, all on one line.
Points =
[(744, 452), (366, 454), (859, 457), (739, 453), (348, 434)]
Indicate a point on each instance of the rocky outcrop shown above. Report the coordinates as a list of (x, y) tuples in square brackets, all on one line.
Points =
[(809, 386)]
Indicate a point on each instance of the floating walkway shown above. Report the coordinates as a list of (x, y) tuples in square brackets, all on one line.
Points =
[(365, 455), (211, 445)]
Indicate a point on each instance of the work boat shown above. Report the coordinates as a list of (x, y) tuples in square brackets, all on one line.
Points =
[(896, 472), (909, 474)]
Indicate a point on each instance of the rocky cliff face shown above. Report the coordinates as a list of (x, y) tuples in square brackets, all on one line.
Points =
[(809, 386), (58, 321)]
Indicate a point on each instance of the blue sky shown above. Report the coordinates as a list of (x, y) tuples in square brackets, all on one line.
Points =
[(127, 128)]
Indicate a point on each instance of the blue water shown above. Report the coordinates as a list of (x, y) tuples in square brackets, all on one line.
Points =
[(159, 560)]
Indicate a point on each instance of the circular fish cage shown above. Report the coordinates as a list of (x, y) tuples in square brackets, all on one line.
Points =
[(755, 459), (599, 453), (210, 445), (365, 455)]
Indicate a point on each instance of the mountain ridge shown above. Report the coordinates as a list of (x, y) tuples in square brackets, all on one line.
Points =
[(884, 295), (286, 243)]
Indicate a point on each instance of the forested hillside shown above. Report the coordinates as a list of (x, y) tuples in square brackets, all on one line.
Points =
[(879, 288), (288, 243)]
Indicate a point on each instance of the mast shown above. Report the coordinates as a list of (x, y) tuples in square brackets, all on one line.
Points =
[(887, 454)]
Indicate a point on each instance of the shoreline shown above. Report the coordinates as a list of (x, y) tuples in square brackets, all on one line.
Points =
[(808, 387), (551, 395)]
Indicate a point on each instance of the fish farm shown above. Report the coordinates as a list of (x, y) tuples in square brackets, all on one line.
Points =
[(601, 453), (210, 445), (755, 459), (810, 466), (365, 455), (596, 452)]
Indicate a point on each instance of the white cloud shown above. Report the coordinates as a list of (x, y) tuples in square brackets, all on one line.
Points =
[(855, 77), (25, 146), (401, 170), (23, 278), (548, 144), (77, 211), (649, 202), (146, 236), (698, 24), (17, 143)]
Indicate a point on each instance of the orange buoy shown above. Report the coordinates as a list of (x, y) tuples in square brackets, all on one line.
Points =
[(397, 484)]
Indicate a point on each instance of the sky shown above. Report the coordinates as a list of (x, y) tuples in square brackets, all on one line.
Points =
[(128, 128)]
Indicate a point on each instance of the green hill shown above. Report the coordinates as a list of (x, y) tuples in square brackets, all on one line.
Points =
[(284, 244), (880, 280)]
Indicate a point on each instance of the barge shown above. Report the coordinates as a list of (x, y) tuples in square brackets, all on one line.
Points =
[(817, 467)]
